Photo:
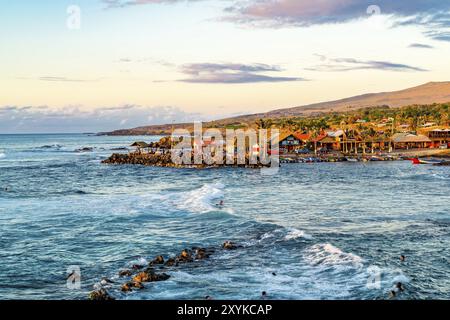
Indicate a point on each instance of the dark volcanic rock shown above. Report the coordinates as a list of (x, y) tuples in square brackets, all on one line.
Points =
[(100, 295), (125, 273), (85, 149)]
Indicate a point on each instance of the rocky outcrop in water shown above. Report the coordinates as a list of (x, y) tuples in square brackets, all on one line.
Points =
[(140, 274), (163, 160), (84, 149)]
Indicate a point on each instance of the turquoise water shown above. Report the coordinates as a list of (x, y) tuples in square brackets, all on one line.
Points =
[(321, 228)]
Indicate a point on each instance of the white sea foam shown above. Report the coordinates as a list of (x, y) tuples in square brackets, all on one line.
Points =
[(329, 255), (202, 199), (2, 155), (140, 262), (280, 234), (295, 234)]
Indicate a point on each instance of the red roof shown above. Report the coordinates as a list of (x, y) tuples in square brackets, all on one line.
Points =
[(302, 136), (320, 137)]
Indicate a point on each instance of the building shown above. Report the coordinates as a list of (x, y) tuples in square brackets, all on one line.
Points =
[(439, 137), (289, 142), (410, 141)]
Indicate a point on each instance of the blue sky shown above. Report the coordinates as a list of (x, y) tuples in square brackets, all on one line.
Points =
[(140, 62)]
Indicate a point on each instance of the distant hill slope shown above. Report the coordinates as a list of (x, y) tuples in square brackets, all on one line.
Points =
[(432, 92)]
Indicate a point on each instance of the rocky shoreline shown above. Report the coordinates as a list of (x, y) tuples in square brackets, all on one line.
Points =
[(165, 160), (140, 274)]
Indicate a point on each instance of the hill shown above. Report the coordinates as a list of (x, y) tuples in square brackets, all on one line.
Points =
[(432, 92)]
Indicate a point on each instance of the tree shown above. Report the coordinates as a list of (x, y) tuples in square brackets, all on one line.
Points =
[(264, 124)]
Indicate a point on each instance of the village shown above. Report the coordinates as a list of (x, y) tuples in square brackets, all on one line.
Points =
[(360, 141)]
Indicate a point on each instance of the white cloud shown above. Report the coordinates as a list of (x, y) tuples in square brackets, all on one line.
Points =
[(43, 119)]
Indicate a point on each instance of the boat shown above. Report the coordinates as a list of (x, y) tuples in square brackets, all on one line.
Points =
[(443, 163), (352, 159), (427, 161)]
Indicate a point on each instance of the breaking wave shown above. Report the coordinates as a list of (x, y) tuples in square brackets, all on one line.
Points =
[(329, 255), (200, 200), (295, 234)]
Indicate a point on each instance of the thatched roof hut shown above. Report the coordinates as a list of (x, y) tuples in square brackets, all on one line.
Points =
[(410, 138)]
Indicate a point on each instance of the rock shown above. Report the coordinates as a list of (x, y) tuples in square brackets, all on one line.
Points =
[(157, 260), (185, 256), (126, 287), (142, 277), (228, 245), (160, 277), (171, 262), (137, 267), (106, 281), (125, 273), (150, 277), (100, 295), (85, 149), (201, 253), (138, 285)]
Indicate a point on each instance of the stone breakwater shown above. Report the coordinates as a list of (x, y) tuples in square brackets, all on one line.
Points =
[(165, 160)]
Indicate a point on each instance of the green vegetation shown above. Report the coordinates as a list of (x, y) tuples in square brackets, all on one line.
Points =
[(413, 116)]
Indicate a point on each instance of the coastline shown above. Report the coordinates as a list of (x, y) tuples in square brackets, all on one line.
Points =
[(164, 160)]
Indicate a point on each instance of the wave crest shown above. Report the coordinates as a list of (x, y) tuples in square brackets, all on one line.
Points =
[(329, 255), (201, 200)]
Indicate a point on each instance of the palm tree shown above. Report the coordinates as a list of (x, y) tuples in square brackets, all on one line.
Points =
[(263, 124), (314, 137)]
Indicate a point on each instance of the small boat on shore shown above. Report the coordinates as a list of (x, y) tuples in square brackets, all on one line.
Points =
[(443, 163), (427, 161), (352, 159)]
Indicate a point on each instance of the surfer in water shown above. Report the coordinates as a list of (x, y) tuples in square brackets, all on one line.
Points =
[(220, 204)]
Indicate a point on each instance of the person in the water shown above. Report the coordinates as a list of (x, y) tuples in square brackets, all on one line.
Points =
[(399, 286), (220, 204), (402, 258)]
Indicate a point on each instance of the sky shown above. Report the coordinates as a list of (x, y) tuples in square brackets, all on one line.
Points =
[(98, 65)]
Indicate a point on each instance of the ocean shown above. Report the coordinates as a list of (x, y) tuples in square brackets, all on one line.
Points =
[(313, 231)]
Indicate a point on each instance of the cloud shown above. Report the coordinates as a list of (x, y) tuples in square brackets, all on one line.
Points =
[(306, 12), (232, 73), (432, 14), (420, 46), (160, 62), (128, 3), (44, 119), (349, 64), (58, 79), (61, 79)]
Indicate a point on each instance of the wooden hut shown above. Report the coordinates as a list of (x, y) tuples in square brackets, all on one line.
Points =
[(410, 141)]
